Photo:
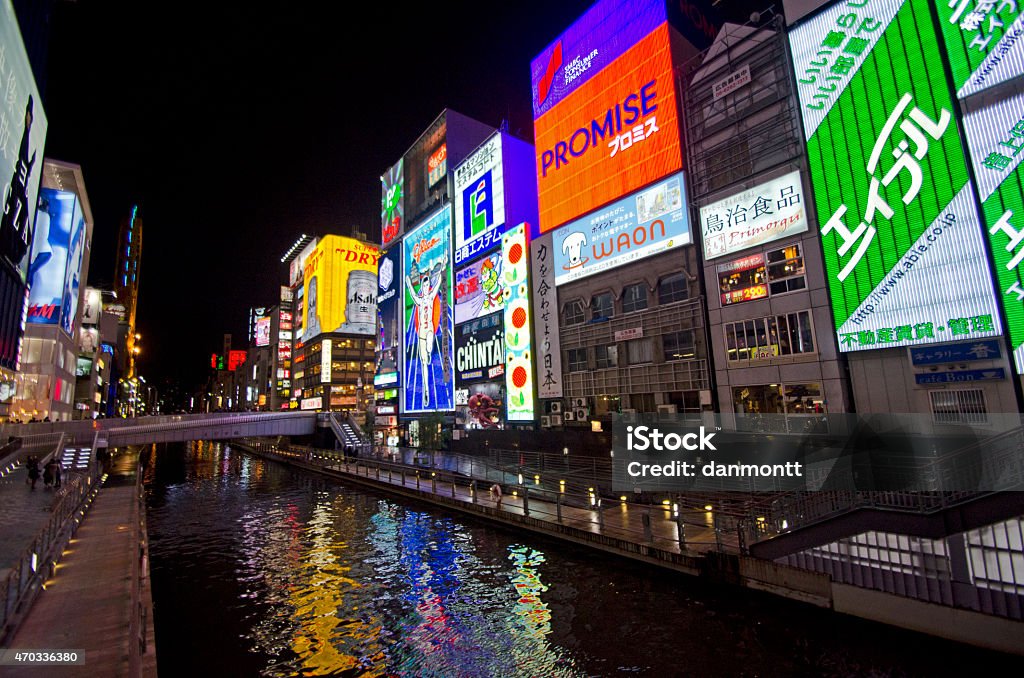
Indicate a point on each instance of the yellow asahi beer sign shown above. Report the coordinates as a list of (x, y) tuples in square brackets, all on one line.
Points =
[(340, 288)]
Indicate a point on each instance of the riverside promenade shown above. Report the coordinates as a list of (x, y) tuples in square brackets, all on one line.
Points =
[(96, 599)]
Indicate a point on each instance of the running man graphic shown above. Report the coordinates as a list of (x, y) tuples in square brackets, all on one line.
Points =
[(430, 285)]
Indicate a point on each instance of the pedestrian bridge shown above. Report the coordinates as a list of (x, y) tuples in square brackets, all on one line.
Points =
[(100, 433)]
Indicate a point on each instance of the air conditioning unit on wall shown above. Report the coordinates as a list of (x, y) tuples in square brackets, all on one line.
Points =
[(579, 402), (568, 416), (668, 409), (580, 414), (556, 407)]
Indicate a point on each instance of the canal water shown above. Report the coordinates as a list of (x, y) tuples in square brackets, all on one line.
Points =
[(261, 570)]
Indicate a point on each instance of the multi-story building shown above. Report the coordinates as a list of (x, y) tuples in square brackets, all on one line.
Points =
[(415, 374), (21, 147), (57, 276), (126, 281), (769, 317), (619, 317), (335, 352)]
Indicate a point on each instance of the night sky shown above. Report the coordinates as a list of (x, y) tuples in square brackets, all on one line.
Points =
[(236, 129)]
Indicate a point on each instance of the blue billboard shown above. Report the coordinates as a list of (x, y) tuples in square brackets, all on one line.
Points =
[(58, 245), (389, 337), (647, 222), (428, 300)]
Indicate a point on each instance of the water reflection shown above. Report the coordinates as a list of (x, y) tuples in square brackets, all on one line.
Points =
[(259, 570)]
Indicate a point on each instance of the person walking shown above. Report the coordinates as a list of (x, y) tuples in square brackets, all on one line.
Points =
[(496, 494), (58, 471), (33, 471), (48, 473)]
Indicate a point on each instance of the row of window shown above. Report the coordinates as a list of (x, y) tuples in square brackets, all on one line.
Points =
[(769, 337), (674, 346), (671, 289)]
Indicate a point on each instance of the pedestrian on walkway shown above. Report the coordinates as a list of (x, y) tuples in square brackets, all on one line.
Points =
[(58, 472), (496, 494), (48, 473), (33, 471)]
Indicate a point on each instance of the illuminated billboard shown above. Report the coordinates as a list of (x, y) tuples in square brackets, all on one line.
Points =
[(648, 222), (758, 215), (479, 289), (479, 200), (298, 263), (428, 377), (547, 347), (995, 137), (983, 40), (392, 210), (480, 349), (73, 272), (236, 358), (389, 310), (92, 306), (904, 252), (515, 252), (58, 242), (22, 136), (480, 406), (263, 331), (340, 281), (616, 132), (594, 41), (437, 165)]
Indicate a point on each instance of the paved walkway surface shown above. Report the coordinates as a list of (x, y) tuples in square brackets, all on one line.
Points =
[(86, 605), (23, 513)]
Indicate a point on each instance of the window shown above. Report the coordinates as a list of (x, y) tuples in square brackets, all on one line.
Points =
[(959, 407), (678, 345), (786, 270), (634, 298), (601, 306), (572, 313), (607, 356), (673, 288), (639, 351), (577, 359), (765, 338)]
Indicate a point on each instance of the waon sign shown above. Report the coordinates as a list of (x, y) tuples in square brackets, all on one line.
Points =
[(615, 133)]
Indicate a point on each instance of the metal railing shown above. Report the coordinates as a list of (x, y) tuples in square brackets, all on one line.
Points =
[(581, 507)]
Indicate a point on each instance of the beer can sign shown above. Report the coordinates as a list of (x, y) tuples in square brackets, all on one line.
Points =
[(361, 304)]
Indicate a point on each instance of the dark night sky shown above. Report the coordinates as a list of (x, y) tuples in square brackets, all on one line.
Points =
[(238, 128)]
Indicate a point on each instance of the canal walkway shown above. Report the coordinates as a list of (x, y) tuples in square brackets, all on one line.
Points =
[(93, 603)]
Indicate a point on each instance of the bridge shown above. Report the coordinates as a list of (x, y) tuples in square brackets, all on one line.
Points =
[(100, 433)]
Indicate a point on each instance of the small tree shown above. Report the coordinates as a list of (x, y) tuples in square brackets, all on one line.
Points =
[(434, 435)]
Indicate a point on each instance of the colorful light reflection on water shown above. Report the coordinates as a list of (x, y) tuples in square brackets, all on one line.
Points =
[(259, 570)]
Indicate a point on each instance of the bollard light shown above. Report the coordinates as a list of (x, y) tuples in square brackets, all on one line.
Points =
[(675, 510), (536, 480), (707, 507), (561, 486)]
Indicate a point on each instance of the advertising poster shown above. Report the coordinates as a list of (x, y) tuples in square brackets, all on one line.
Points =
[(428, 374), (615, 133), (995, 136), (762, 214), (480, 349), (389, 308), (984, 40), (479, 201), (92, 306), (547, 347), (21, 145), (640, 225), (73, 272), (904, 252), (480, 406), (518, 336), (51, 252), (392, 210), (340, 281), (479, 289), (263, 331)]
